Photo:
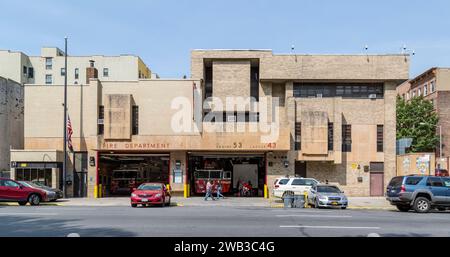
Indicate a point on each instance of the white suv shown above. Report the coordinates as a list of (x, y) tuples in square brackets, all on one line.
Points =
[(298, 186)]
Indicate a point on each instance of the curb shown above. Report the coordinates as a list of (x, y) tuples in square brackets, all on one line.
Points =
[(41, 204)]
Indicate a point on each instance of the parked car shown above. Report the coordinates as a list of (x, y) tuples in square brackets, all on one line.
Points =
[(420, 193), (324, 195), (295, 186), (13, 191), (441, 173), (150, 194), (53, 194)]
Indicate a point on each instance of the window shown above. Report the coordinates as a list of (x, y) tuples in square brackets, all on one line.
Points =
[(435, 182), (105, 72), (446, 181), (63, 71), (25, 70), (414, 94), (299, 182), (346, 138), (234, 116), (254, 83), (10, 183), (352, 90), (298, 136), (432, 86), (419, 92), (135, 120), (330, 137), (30, 73), (48, 79), (208, 82), (48, 63), (425, 90), (101, 117), (380, 138), (376, 166), (413, 180), (77, 73), (283, 181)]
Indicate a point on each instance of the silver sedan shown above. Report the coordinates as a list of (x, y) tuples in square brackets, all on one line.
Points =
[(324, 195)]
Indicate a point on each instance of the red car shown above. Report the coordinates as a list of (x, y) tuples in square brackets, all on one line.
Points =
[(13, 191), (150, 194)]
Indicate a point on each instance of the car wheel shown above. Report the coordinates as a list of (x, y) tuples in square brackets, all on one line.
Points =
[(403, 208), (23, 203), (344, 207), (34, 199), (133, 205), (422, 205), (168, 204)]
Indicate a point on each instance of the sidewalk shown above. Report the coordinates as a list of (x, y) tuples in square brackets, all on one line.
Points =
[(368, 203)]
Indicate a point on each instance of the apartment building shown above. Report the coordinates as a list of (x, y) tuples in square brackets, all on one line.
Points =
[(49, 67), (433, 85), (244, 115)]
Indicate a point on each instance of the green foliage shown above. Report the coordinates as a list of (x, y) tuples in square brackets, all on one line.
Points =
[(417, 119)]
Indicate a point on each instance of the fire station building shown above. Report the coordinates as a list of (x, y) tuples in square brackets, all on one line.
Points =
[(244, 115)]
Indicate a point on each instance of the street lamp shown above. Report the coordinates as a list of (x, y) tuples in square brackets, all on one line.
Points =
[(440, 138)]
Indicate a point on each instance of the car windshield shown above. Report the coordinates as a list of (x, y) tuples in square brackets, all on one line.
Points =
[(283, 181), (27, 184), (150, 187), (328, 189), (39, 183)]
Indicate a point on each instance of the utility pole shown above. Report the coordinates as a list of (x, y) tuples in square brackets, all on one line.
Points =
[(65, 120)]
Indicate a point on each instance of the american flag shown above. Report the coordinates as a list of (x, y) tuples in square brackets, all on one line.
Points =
[(69, 133)]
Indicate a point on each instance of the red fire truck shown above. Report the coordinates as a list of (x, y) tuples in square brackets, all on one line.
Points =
[(201, 177)]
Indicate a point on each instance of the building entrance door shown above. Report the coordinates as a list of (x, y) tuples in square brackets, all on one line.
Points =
[(376, 184), (79, 184), (300, 169)]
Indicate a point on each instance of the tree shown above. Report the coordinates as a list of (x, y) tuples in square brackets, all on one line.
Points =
[(417, 119)]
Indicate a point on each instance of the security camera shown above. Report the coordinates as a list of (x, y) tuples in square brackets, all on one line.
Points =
[(286, 164)]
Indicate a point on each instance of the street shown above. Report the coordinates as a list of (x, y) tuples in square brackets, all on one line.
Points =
[(216, 221)]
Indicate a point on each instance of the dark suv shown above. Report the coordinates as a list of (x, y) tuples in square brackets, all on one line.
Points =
[(420, 193)]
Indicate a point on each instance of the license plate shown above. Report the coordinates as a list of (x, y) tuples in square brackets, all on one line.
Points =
[(334, 203), (144, 200)]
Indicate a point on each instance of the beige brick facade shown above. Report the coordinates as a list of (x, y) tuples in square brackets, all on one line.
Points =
[(278, 77)]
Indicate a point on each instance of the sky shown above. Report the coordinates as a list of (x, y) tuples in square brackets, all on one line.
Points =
[(163, 32)]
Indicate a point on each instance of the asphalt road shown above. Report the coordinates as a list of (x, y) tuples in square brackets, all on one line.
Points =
[(57, 221)]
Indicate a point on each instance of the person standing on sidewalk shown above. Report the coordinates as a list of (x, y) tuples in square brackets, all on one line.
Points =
[(219, 190), (209, 191)]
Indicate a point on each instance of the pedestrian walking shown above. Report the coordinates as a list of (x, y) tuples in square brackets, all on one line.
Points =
[(219, 190), (209, 191)]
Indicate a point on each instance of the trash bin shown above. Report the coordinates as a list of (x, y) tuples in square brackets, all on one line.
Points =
[(288, 200), (299, 201)]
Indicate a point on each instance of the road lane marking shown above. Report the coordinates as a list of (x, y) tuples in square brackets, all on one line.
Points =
[(314, 216), (328, 227), (27, 214)]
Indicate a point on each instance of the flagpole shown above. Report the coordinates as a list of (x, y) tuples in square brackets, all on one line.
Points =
[(65, 120)]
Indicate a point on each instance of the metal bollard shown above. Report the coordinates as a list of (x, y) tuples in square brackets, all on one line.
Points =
[(305, 194)]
